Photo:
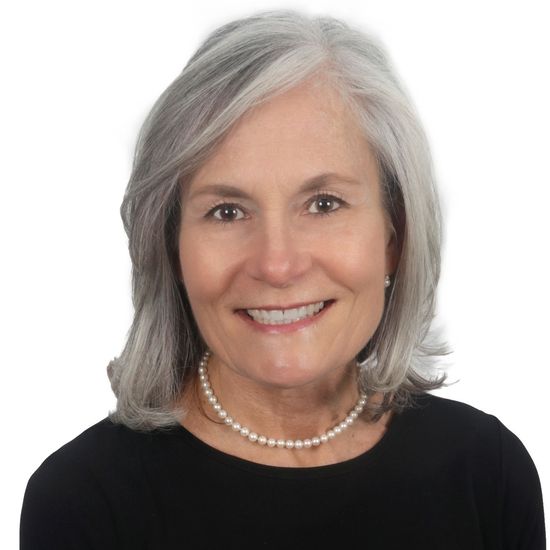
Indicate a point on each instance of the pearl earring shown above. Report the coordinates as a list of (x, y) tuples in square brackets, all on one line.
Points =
[(387, 281)]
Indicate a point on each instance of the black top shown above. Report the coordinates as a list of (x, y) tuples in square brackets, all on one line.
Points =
[(444, 476)]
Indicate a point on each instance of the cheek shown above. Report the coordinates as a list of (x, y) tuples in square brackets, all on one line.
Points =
[(363, 273), (197, 278), (360, 256), (361, 268), (205, 269)]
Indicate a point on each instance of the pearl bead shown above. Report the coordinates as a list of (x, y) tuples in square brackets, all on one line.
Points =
[(272, 442)]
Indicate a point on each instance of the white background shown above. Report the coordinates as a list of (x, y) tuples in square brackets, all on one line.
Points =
[(78, 79)]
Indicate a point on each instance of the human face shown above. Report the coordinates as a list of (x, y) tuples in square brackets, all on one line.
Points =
[(262, 229)]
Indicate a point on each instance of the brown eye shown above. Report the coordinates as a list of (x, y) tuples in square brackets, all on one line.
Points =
[(324, 205), (227, 213)]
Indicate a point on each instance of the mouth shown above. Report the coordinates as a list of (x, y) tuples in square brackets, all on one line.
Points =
[(272, 316)]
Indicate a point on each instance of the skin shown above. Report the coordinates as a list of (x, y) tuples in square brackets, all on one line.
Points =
[(280, 244)]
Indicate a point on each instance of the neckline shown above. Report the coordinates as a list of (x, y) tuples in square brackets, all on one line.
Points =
[(395, 428)]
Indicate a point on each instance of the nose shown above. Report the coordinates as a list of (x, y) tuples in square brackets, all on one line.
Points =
[(279, 254)]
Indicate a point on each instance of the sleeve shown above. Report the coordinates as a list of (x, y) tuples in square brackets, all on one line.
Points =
[(64, 509), (522, 506)]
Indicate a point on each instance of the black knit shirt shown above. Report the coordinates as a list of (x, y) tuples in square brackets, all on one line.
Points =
[(444, 476)]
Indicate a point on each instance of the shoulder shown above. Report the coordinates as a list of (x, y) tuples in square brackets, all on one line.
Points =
[(478, 450), (446, 418), (445, 410), (449, 430), (439, 419), (85, 478), (101, 456), (96, 450)]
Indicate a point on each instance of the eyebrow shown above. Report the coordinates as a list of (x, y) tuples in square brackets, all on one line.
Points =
[(311, 184)]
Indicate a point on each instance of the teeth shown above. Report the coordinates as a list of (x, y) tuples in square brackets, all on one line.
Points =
[(284, 316)]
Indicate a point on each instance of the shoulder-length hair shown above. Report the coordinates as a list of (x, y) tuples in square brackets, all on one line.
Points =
[(240, 65)]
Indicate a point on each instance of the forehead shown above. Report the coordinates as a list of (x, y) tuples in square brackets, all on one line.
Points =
[(290, 138)]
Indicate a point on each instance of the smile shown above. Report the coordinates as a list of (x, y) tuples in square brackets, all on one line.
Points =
[(286, 316)]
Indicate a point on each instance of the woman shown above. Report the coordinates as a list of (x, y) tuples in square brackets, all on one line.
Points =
[(285, 238)]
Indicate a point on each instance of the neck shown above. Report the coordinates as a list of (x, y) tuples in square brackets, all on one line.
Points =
[(283, 413)]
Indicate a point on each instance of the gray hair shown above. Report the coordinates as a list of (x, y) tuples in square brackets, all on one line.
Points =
[(240, 65)]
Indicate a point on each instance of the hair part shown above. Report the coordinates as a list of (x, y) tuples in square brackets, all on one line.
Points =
[(239, 66)]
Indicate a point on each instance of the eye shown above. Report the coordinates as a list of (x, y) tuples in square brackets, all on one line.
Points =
[(226, 213), (325, 204)]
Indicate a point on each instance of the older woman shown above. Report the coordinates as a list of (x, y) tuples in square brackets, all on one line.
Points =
[(285, 237)]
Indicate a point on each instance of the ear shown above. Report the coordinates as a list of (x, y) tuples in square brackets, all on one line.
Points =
[(393, 252)]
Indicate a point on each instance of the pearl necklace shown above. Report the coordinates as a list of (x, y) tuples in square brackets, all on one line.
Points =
[(262, 440)]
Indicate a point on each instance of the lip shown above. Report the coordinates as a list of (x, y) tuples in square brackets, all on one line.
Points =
[(290, 327)]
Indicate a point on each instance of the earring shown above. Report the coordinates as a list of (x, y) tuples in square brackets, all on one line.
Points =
[(387, 281)]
